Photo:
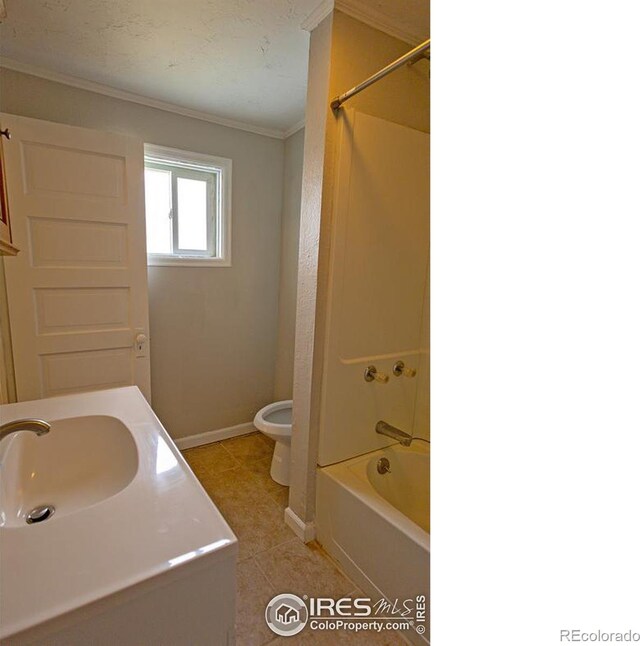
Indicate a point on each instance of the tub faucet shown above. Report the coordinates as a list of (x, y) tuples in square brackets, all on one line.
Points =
[(37, 426), (395, 433)]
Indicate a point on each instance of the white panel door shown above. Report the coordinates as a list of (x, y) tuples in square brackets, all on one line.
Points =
[(77, 290)]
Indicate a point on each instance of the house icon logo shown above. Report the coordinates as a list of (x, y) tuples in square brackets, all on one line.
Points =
[(286, 615)]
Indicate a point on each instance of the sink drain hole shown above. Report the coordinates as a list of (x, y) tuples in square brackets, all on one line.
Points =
[(40, 514)]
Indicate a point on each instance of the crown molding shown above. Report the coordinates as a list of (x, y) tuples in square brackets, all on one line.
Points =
[(322, 10), (294, 128), (364, 11), (107, 90)]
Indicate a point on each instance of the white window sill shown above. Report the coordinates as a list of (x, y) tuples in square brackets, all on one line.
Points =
[(186, 261)]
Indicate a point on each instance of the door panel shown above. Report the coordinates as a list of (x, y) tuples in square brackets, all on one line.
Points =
[(59, 243), (78, 290)]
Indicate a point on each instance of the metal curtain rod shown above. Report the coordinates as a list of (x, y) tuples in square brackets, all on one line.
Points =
[(410, 57)]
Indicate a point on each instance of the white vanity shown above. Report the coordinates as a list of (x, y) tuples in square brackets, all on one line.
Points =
[(134, 551)]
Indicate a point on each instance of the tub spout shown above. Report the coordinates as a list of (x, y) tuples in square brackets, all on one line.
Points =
[(394, 433)]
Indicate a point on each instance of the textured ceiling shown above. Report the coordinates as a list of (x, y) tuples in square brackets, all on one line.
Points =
[(244, 60)]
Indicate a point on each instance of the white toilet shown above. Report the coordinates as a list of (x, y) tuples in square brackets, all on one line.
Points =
[(274, 421)]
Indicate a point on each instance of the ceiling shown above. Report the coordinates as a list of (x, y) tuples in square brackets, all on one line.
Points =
[(240, 60)]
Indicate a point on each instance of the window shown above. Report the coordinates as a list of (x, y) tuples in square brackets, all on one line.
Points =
[(187, 207)]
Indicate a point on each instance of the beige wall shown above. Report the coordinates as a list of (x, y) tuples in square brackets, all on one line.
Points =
[(213, 330), (357, 52), (347, 52), (293, 152), (304, 442)]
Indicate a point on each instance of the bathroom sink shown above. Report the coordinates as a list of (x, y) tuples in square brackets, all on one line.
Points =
[(133, 531), (80, 462)]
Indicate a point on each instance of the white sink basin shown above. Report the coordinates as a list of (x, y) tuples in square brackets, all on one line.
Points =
[(80, 462), (133, 533)]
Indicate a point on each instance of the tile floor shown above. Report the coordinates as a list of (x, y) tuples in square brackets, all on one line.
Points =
[(235, 473)]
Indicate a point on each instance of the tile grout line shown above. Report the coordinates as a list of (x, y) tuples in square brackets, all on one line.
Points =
[(186, 452), (267, 579), (271, 494), (226, 450), (273, 547)]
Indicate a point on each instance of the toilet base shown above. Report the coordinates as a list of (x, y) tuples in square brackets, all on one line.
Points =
[(280, 463)]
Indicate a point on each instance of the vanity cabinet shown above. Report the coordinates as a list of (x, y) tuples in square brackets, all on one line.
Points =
[(6, 242)]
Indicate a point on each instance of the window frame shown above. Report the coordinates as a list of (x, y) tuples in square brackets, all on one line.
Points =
[(219, 236)]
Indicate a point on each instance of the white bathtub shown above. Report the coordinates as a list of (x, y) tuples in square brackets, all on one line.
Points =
[(377, 525)]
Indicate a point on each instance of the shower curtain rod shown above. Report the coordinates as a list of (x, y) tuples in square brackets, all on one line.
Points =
[(410, 57)]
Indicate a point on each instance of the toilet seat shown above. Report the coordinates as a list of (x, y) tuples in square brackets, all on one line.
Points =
[(274, 421)]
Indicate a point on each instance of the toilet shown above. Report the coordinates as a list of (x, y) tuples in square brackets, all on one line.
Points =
[(274, 421)]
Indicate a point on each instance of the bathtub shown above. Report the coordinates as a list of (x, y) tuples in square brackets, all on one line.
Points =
[(377, 525)]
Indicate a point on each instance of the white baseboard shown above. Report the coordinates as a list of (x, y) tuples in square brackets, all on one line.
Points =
[(306, 532), (214, 436)]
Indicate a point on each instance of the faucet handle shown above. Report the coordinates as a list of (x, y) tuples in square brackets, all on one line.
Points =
[(371, 374), (400, 369)]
